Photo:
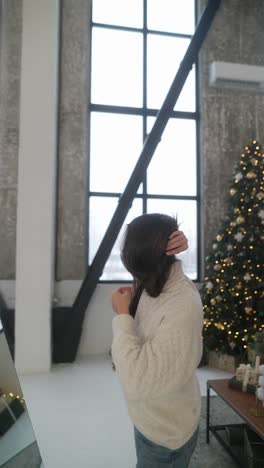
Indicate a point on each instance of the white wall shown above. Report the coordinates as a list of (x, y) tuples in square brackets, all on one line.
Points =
[(37, 165), (97, 328)]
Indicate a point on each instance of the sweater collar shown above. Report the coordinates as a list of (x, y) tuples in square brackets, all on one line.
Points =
[(176, 273)]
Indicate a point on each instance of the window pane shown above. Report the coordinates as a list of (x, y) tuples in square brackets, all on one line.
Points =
[(116, 143), (116, 67), (164, 57), (172, 15), (101, 212), (119, 12), (186, 211), (172, 170)]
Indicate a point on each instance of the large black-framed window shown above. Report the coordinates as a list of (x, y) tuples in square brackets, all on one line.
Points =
[(136, 48)]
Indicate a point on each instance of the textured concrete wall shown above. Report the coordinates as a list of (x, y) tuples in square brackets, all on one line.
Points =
[(73, 123), (229, 118), (10, 55), (73, 140)]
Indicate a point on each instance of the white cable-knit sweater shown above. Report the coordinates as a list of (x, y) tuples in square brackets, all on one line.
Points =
[(156, 356)]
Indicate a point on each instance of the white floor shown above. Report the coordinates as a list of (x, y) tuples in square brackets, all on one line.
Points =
[(79, 414)]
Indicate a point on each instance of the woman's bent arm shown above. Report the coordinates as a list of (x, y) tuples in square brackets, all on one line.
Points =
[(164, 363)]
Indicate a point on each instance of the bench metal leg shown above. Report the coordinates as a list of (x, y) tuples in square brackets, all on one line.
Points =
[(208, 415)]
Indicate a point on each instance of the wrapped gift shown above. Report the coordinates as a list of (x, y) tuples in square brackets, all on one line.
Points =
[(247, 377)]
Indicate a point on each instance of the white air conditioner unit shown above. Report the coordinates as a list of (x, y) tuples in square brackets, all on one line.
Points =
[(237, 75)]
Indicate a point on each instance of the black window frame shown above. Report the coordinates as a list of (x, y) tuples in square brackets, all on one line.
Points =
[(146, 112)]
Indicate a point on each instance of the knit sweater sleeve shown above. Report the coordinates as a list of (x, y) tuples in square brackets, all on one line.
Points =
[(161, 365)]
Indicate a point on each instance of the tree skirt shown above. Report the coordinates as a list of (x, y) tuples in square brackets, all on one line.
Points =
[(213, 455)]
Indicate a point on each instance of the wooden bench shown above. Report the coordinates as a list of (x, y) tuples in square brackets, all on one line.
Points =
[(242, 403)]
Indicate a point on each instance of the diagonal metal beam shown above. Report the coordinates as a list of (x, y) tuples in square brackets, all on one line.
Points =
[(95, 271)]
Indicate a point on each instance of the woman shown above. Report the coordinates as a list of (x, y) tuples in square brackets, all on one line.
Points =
[(157, 345)]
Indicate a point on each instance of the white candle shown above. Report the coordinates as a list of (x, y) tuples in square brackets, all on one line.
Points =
[(240, 372), (246, 378), (257, 364)]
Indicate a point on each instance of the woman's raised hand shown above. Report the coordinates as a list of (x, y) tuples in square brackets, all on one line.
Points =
[(177, 243), (121, 299)]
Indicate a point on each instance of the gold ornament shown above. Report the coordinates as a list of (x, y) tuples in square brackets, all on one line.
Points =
[(240, 220), (233, 224), (227, 260), (248, 310), (219, 325), (213, 301), (233, 191), (215, 246), (219, 238), (251, 175)]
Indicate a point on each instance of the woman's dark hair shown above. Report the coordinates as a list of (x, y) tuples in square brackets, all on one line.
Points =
[(144, 254)]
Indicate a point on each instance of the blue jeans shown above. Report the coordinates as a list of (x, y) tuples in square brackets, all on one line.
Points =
[(150, 455)]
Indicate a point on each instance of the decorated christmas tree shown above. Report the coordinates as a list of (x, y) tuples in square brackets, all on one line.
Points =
[(233, 292)]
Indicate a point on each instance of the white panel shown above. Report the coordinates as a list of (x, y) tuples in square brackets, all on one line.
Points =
[(248, 75), (36, 185)]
